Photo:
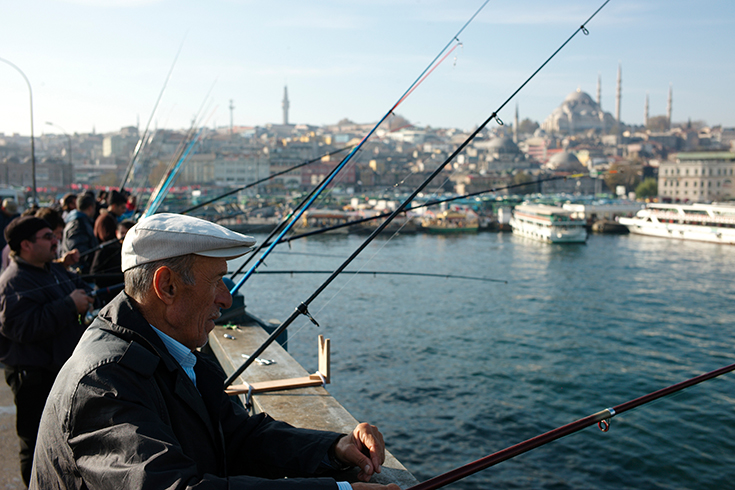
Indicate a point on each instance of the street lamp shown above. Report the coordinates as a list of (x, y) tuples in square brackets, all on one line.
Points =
[(33, 149), (65, 134)]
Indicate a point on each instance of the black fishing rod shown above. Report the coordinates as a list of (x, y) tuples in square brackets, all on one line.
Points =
[(433, 202), (427, 71), (388, 273), (270, 177), (602, 418), (99, 247), (141, 141), (303, 308), (284, 223)]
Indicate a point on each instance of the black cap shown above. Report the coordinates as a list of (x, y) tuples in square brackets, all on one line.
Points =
[(23, 228)]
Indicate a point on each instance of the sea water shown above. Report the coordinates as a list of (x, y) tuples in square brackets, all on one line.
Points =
[(452, 370)]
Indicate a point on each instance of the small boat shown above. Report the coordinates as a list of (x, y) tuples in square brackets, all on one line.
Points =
[(450, 221), (319, 219), (548, 224), (714, 223)]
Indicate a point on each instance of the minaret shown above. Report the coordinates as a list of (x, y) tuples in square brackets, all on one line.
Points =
[(515, 127), (285, 105), (618, 94), (599, 91), (669, 105), (645, 112), (232, 108)]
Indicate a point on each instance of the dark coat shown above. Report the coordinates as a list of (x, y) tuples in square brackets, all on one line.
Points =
[(124, 414), (79, 235), (39, 322)]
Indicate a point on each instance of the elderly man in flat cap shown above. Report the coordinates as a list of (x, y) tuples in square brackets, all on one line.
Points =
[(40, 305), (137, 406)]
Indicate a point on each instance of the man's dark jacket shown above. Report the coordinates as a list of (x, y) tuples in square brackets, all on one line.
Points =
[(79, 235), (39, 323), (124, 414)]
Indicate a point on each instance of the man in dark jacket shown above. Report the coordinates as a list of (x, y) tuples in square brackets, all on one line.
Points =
[(137, 406), (40, 304), (79, 231)]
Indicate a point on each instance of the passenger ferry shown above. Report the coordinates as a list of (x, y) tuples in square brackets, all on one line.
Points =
[(548, 224), (713, 223)]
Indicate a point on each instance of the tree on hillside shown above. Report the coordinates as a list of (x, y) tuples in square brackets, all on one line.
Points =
[(627, 174), (647, 188), (527, 126), (522, 178), (658, 123)]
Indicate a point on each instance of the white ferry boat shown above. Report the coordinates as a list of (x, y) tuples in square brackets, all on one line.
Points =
[(548, 224), (701, 222)]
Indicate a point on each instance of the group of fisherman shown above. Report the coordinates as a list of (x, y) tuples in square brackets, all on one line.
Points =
[(129, 401)]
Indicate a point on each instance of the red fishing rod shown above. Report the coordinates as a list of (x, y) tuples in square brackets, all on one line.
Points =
[(602, 418)]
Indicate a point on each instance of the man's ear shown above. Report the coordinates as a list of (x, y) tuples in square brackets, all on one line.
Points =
[(165, 284)]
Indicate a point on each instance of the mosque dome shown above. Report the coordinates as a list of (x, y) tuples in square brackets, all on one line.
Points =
[(501, 145), (565, 162), (578, 113)]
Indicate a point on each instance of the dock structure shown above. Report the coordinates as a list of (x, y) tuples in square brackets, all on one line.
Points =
[(310, 407)]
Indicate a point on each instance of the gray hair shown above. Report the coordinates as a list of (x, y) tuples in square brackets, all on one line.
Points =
[(139, 279)]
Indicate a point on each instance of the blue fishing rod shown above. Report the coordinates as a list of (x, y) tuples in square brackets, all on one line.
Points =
[(303, 308), (346, 160)]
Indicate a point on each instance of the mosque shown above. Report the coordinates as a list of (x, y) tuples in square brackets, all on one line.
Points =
[(578, 113)]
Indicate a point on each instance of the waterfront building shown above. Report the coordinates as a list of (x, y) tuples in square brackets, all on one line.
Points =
[(697, 177)]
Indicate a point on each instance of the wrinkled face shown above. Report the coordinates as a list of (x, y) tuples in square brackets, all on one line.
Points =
[(196, 307)]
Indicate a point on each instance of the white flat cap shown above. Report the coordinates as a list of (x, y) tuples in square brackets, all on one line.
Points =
[(167, 235)]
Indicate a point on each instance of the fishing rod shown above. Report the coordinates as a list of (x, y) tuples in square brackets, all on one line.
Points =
[(418, 206), (602, 418), (326, 182), (277, 174), (303, 308), (141, 141), (280, 227), (99, 247), (389, 273)]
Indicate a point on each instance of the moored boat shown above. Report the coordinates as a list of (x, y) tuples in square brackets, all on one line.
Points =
[(548, 224), (450, 221), (714, 223)]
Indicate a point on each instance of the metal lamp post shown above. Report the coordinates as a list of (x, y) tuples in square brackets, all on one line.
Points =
[(33, 147), (71, 165)]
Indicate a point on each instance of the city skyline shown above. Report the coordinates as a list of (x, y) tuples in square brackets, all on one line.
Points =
[(100, 65)]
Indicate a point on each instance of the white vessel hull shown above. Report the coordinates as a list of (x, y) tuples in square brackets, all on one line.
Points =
[(712, 234), (549, 234)]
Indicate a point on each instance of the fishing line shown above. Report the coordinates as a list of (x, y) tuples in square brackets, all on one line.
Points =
[(141, 141), (270, 177), (303, 308), (349, 157)]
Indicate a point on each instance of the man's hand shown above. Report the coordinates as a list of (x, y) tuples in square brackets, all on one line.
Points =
[(363, 448), (70, 258), (82, 301), (374, 486)]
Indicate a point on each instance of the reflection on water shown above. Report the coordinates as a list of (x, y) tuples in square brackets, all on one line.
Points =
[(453, 370)]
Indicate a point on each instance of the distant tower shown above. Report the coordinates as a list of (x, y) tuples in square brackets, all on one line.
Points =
[(515, 127), (599, 91), (645, 112), (285, 105), (232, 108), (618, 94), (669, 105)]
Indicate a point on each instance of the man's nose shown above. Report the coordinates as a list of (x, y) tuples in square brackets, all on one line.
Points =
[(223, 298)]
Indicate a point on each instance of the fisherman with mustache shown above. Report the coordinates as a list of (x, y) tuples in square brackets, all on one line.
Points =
[(138, 406), (40, 306)]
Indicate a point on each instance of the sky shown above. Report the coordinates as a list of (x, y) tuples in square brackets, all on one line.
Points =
[(102, 64)]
